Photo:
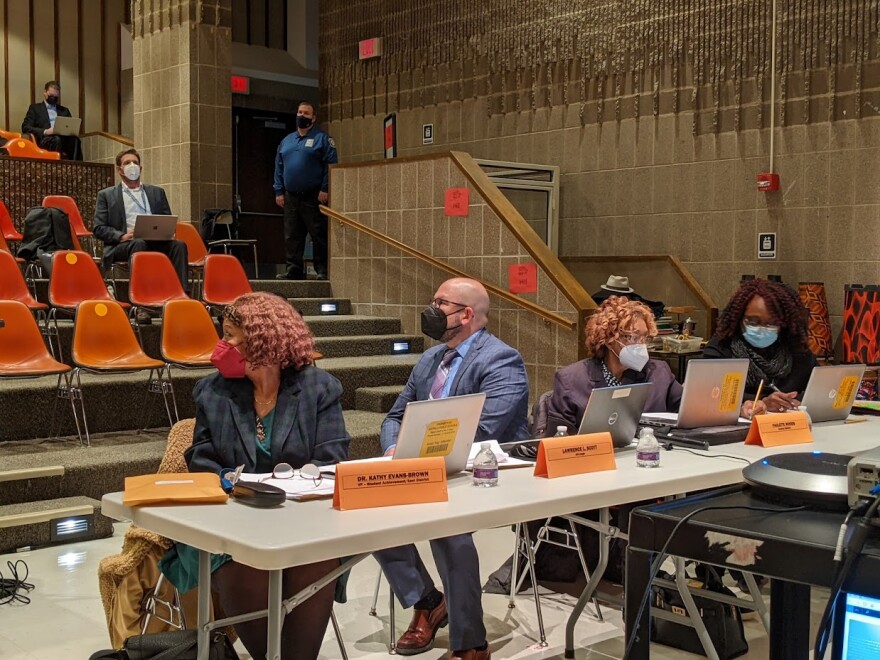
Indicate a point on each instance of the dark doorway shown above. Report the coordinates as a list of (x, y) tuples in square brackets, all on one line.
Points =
[(255, 139)]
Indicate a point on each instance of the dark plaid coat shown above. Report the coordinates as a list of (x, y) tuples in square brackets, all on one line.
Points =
[(308, 426)]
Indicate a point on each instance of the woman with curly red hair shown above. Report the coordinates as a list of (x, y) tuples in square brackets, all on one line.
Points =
[(616, 340), (267, 405), (766, 322)]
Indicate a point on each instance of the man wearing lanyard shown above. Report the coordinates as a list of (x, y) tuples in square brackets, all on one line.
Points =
[(469, 360), (117, 208), (301, 182)]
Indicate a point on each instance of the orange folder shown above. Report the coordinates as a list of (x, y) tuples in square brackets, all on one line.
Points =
[(575, 454), (773, 430), (364, 485), (173, 488)]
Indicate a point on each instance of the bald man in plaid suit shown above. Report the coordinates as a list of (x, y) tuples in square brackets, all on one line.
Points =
[(469, 360)]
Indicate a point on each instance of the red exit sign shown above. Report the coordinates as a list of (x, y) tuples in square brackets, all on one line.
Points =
[(241, 85), (370, 48)]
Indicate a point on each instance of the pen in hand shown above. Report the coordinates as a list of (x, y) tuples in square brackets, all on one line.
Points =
[(757, 398)]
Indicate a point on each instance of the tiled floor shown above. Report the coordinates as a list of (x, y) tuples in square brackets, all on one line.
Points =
[(65, 619)]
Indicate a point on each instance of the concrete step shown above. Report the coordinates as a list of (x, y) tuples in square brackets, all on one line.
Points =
[(322, 306), (31, 524), (377, 399), (368, 371), (352, 324), (353, 346), (295, 288), (102, 468), (117, 402)]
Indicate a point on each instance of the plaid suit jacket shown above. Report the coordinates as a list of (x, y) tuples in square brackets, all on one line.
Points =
[(490, 366), (308, 427)]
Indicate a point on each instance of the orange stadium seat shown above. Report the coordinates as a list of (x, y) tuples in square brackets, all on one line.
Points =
[(23, 353), (77, 226), (24, 148), (7, 227), (225, 280), (104, 342), (195, 251)]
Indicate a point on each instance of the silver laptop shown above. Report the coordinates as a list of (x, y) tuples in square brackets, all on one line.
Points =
[(713, 394), (66, 125), (616, 410), (831, 391), (155, 227), (440, 427)]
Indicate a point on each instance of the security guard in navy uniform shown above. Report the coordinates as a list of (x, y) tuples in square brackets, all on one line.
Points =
[(301, 180)]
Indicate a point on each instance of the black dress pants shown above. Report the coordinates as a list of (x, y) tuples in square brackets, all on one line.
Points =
[(69, 145), (301, 217), (176, 251)]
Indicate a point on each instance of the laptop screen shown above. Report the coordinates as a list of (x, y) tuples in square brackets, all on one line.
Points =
[(859, 632)]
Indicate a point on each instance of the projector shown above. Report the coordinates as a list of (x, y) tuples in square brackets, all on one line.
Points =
[(863, 474)]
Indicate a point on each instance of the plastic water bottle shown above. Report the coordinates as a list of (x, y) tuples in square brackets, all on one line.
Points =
[(561, 432), (803, 409), (648, 449), (485, 467)]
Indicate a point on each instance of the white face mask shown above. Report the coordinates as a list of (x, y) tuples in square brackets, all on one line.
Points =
[(132, 171), (634, 356)]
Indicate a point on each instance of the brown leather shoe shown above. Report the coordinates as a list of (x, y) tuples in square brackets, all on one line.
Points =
[(419, 637), (472, 654)]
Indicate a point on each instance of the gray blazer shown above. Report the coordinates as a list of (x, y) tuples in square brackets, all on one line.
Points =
[(490, 366), (110, 215)]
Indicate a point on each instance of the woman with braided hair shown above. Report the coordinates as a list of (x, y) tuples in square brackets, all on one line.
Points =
[(766, 322)]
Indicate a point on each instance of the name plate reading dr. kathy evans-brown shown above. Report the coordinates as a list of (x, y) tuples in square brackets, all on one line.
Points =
[(368, 484), (575, 454)]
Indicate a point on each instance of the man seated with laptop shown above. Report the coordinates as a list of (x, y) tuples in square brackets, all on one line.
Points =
[(52, 125), (129, 218), (469, 360)]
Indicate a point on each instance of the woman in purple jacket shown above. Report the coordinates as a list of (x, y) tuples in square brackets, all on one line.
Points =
[(616, 340)]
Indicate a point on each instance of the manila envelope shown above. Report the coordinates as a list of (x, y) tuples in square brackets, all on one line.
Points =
[(575, 454), (173, 488), (364, 485), (775, 429)]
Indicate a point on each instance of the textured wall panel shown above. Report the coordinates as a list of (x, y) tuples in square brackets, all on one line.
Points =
[(24, 183)]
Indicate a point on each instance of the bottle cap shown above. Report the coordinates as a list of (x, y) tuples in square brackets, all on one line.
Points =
[(561, 428), (486, 445)]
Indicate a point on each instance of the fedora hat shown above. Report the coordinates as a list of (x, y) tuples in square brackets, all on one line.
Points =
[(617, 284)]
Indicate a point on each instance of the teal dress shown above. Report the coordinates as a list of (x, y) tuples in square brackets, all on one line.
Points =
[(181, 563)]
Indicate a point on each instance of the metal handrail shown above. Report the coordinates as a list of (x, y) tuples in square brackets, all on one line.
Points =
[(418, 254)]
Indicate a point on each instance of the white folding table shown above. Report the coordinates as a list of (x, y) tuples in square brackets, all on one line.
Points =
[(298, 533)]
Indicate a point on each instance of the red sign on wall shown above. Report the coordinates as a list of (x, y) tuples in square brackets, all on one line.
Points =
[(523, 278), (369, 48), (456, 201), (241, 85)]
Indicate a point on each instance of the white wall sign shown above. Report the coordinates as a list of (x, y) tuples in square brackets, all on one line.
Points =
[(767, 245)]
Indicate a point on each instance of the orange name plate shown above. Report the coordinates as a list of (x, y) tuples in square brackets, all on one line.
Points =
[(575, 454), (364, 485), (773, 430)]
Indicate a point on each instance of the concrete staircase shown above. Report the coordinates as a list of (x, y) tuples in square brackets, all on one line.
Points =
[(43, 480)]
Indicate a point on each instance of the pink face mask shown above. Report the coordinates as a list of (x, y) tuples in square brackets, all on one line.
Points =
[(228, 360)]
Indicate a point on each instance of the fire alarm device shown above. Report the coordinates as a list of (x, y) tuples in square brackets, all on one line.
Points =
[(768, 182)]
